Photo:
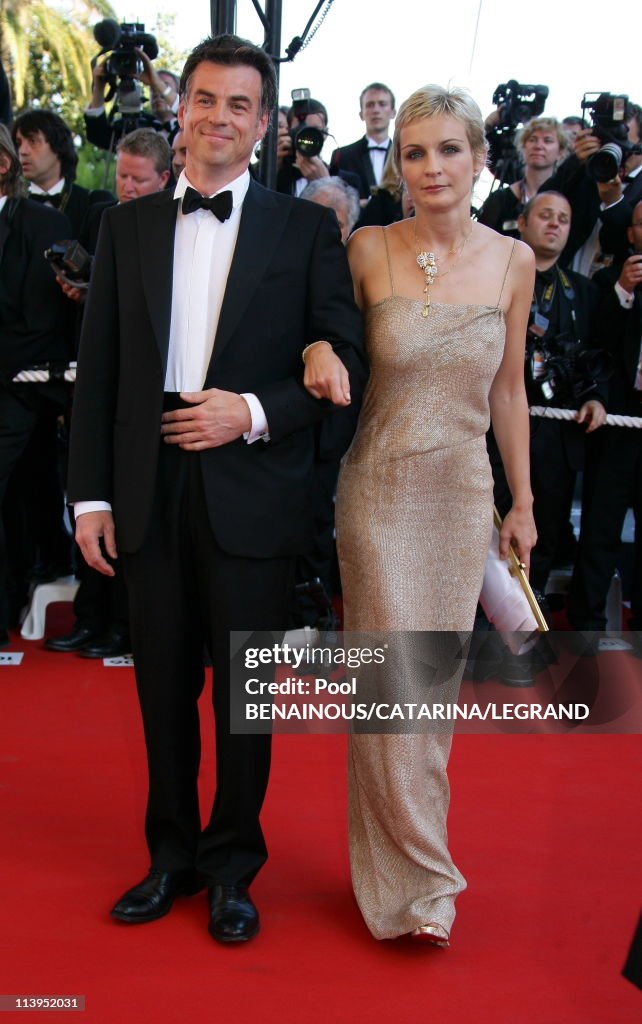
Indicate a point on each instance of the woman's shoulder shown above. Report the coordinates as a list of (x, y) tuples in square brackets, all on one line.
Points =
[(367, 244)]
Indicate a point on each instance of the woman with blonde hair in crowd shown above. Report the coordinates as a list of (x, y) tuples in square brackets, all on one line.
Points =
[(542, 144), (445, 304)]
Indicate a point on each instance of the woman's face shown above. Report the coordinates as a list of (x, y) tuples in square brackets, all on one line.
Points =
[(541, 149), (437, 163)]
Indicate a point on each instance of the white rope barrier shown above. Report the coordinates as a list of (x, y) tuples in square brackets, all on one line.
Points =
[(42, 376), (612, 419)]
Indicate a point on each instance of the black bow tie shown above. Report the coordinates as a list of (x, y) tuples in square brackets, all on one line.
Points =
[(377, 149), (44, 197), (220, 205)]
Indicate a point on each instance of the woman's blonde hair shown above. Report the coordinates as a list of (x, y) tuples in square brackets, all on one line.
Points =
[(543, 124), (433, 100), (12, 183)]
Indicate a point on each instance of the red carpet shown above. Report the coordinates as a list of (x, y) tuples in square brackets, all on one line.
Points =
[(545, 828)]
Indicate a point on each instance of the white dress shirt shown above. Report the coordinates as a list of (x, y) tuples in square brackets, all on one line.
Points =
[(203, 251), (55, 190), (377, 158)]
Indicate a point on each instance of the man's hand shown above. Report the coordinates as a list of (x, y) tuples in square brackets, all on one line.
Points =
[(325, 375), (610, 192), (217, 418), (75, 294), (586, 144), (631, 276), (90, 528), (593, 414), (311, 167), (98, 84)]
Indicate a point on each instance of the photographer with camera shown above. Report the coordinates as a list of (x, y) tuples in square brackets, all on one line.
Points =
[(602, 182), (613, 474), (308, 129), (123, 66), (561, 370), (542, 144)]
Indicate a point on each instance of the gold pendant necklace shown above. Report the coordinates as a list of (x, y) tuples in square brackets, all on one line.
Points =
[(428, 262)]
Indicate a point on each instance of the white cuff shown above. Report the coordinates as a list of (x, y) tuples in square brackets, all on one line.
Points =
[(93, 111), (259, 428), (81, 507), (626, 299)]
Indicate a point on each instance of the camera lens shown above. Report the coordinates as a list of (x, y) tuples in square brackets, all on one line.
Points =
[(604, 165), (309, 141)]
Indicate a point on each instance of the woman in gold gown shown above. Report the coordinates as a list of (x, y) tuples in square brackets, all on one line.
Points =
[(445, 304)]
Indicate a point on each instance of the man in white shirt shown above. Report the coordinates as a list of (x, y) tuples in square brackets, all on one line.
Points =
[(191, 422)]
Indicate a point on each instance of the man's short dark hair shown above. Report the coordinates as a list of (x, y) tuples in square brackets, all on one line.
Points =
[(633, 112), (232, 51), (148, 143), (314, 107), (56, 133), (378, 87)]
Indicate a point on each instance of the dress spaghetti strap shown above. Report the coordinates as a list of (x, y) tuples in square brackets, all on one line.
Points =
[(506, 273), (392, 283)]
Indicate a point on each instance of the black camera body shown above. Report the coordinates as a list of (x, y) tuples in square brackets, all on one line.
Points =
[(608, 116), (557, 370), (518, 103), (306, 139), (70, 261), (124, 63)]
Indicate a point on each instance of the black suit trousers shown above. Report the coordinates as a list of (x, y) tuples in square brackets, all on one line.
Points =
[(186, 594), (612, 484)]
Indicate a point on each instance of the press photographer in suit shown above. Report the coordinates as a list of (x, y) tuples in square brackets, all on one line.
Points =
[(191, 462)]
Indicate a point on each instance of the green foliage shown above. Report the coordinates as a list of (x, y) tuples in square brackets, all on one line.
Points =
[(96, 168)]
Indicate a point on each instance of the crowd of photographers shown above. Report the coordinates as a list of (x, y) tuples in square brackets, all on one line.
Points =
[(570, 189)]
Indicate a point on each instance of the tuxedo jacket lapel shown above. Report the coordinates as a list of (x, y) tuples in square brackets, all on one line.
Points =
[(260, 231), (157, 228), (366, 163)]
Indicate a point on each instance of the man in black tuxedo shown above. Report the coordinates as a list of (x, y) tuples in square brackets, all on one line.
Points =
[(613, 474), (367, 156), (191, 421), (34, 327)]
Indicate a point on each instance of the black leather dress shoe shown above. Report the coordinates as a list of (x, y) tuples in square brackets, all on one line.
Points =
[(153, 897), (112, 644), (233, 916), (74, 641)]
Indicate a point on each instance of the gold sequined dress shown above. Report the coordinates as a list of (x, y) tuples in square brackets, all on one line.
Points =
[(414, 519)]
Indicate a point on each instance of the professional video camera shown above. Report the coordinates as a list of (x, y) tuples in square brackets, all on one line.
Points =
[(306, 139), (124, 64), (556, 370), (71, 262), (608, 114), (516, 104)]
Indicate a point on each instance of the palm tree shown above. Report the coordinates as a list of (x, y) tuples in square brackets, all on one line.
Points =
[(46, 48)]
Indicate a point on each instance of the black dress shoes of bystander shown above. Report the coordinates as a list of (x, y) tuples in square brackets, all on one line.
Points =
[(78, 638)]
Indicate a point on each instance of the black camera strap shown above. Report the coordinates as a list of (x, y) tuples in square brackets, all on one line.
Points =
[(543, 306)]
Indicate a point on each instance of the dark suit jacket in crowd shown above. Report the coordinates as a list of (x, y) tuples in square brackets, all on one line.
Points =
[(355, 159), (105, 134), (622, 332), (34, 314), (289, 284)]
